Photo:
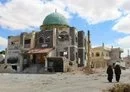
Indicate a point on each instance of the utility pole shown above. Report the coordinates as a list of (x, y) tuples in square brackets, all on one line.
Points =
[(89, 47)]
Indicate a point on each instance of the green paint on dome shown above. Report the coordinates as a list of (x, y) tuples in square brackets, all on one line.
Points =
[(55, 19)]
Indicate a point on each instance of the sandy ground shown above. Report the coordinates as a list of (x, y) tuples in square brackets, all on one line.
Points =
[(59, 82)]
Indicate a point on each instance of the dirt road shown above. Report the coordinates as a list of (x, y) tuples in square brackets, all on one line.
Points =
[(57, 82)]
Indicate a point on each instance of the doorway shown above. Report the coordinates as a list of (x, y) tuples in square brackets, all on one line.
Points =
[(55, 64)]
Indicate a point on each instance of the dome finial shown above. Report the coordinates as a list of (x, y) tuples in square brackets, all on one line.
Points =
[(55, 10)]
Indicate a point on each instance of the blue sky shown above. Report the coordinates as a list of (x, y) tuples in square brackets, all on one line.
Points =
[(100, 33), (107, 20)]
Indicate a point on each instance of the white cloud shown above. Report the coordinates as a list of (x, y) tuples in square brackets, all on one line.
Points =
[(126, 6), (123, 25), (95, 11), (25, 14), (3, 42), (125, 44), (125, 52)]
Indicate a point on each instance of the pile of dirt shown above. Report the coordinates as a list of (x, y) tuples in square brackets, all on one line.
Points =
[(87, 70), (82, 70), (119, 88)]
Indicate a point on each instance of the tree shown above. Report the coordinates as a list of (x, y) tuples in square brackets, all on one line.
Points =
[(2, 52)]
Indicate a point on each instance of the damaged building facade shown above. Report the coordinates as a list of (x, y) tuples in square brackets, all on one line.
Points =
[(56, 47)]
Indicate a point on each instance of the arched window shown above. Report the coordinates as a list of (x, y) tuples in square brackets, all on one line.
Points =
[(63, 36), (97, 54)]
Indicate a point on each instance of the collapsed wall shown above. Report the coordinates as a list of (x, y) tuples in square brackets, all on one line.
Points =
[(4, 68)]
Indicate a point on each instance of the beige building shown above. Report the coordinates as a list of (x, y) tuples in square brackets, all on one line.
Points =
[(102, 56)]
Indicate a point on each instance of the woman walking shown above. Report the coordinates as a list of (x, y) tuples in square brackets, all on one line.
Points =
[(117, 70), (110, 73)]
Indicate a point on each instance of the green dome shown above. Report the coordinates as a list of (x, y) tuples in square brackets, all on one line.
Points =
[(55, 19)]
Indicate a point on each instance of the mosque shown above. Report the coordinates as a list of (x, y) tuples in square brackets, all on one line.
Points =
[(56, 47)]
